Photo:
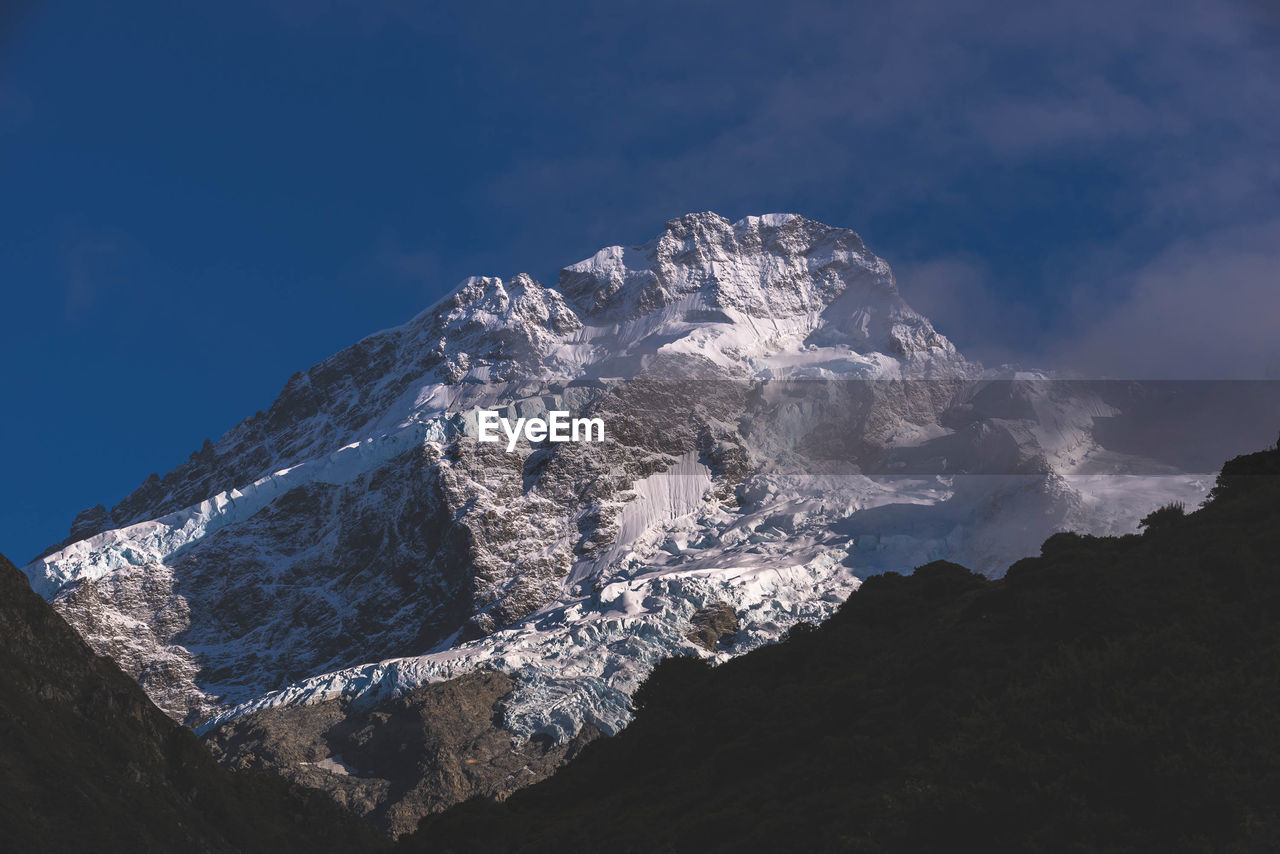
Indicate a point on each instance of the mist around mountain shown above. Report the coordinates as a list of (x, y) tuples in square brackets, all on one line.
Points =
[(1111, 694)]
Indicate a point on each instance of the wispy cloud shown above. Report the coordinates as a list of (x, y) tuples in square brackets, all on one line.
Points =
[(1204, 308), (417, 264), (1016, 160), (95, 265), (955, 292)]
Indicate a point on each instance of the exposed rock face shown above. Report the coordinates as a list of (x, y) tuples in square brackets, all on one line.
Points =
[(772, 268), (265, 589), (712, 624), (89, 764), (436, 746), (779, 422)]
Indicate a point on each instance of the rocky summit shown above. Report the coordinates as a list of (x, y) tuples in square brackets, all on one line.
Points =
[(779, 424)]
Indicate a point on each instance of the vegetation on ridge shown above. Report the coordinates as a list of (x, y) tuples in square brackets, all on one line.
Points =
[(1112, 694)]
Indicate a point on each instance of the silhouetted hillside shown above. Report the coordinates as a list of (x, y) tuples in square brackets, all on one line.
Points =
[(1112, 694), (87, 763)]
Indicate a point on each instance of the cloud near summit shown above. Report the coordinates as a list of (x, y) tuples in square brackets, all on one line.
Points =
[(1064, 148)]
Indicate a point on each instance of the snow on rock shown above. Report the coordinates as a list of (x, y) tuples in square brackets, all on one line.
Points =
[(155, 541), (779, 423)]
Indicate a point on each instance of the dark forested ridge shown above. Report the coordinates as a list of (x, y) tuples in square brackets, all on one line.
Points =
[(88, 763), (1112, 694)]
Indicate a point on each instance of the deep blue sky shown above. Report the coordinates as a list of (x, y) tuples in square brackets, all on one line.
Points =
[(200, 199)]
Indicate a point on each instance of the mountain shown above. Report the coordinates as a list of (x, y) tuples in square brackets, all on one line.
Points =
[(779, 426), (90, 764), (1111, 694)]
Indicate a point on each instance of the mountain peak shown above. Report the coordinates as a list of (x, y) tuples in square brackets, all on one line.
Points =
[(771, 266), (739, 294)]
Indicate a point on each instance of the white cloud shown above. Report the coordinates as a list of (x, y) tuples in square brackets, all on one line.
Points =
[(1205, 308), (954, 292)]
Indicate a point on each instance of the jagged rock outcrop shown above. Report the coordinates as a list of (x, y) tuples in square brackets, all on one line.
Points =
[(711, 625)]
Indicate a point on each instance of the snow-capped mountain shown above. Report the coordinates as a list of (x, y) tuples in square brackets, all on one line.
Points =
[(779, 422)]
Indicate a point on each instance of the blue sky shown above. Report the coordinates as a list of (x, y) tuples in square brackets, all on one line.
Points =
[(201, 199)]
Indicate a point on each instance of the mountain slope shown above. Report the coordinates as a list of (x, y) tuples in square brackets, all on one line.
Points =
[(780, 424), (1112, 694), (353, 522), (89, 764)]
